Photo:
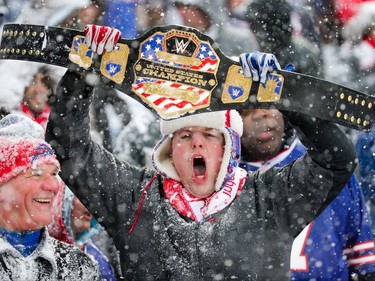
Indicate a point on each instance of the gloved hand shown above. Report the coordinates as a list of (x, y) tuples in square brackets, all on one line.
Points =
[(257, 64), (101, 38)]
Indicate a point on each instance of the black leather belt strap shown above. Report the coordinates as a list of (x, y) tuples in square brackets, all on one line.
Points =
[(177, 71)]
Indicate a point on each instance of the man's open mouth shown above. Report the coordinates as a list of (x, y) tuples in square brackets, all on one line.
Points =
[(199, 167)]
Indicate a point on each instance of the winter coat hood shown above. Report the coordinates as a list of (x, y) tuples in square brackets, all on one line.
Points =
[(227, 122)]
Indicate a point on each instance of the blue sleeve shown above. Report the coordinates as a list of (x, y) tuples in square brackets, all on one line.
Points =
[(340, 239), (106, 270), (359, 249), (365, 146)]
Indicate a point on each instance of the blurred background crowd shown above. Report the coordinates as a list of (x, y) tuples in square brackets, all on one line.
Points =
[(330, 39)]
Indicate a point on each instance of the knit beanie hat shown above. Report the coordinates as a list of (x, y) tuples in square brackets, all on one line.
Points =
[(228, 122), (22, 146)]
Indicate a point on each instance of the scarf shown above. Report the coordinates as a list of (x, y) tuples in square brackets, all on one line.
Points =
[(199, 208), (41, 119)]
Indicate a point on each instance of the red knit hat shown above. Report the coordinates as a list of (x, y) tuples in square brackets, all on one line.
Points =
[(22, 146)]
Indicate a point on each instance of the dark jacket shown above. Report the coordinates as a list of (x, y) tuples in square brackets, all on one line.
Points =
[(270, 20), (164, 245)]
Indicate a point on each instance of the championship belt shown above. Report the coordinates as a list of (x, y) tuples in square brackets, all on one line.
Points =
[(177, 70)]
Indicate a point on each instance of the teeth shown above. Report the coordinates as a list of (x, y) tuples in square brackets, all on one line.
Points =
[(44, 201)]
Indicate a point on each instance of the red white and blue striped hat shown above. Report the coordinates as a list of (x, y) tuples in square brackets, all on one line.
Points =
[(22, 146)]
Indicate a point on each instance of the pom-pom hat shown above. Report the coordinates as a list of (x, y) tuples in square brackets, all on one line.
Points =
[(228, 122), (22, 146)]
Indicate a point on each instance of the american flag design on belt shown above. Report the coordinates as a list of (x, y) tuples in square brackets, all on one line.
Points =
[(170, 104), (208, 58), (177, 72), (205, 54)]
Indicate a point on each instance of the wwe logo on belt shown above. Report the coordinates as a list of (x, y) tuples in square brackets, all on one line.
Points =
[(181, 46), (112, 69)]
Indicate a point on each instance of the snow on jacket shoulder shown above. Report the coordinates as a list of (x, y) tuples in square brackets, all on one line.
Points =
[(51, 260)]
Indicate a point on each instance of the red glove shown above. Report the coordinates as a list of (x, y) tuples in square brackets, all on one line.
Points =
[(101, 38)]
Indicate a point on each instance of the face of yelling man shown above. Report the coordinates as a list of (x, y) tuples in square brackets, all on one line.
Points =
[(197, 153)]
